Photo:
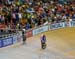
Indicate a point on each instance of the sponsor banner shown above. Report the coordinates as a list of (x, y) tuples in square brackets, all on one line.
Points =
[(40, 30), (56, 26), (72, 24), (0, 43), (14, 39), (19, 36), (7, 41), (66, 24), (29, 33)]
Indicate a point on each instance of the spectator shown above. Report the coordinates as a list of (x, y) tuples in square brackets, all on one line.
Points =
[(31, 13)]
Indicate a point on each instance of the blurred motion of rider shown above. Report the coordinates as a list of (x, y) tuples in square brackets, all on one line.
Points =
[(24, 36), (43, 41)]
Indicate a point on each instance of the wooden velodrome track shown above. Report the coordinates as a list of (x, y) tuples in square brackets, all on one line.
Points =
[(60, 45), (61, 41)]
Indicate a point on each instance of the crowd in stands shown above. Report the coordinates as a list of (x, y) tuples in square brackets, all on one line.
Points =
[(29, 14)]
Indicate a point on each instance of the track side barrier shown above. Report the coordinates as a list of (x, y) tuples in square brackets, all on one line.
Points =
[(0, 43), (12, 39), (72, 24), (7, 41), (15, 39), (56, 26), (19, 36), (29, 33), (61, 25), (40, 29)]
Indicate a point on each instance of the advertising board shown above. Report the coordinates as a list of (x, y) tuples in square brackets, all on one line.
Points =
[(72, 24), (19, 36), (14, 39), (7, 41), (29, 33), (56, 26), (0, 43), (40, 30)]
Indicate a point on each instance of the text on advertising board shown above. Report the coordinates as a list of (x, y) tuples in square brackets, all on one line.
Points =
[(7, 41), (14, 39), (56, 26), (40, 30), (72, 23), (0, 43)]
